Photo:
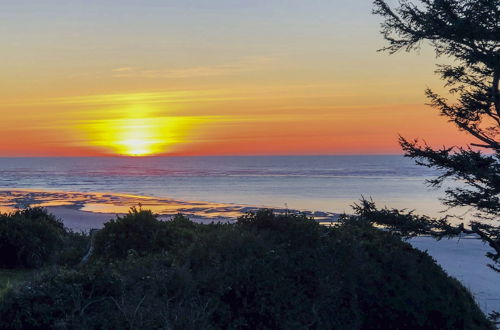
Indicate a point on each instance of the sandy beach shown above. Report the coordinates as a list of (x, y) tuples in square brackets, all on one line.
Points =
[(83, 211)]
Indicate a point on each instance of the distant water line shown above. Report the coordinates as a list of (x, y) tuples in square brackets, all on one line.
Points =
[(324, 183)]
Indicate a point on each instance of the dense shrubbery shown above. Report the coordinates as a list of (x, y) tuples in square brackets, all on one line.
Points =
[(29, 238), (144, 293), (141, 232), (74, 248), (266, 271), (32, 238)]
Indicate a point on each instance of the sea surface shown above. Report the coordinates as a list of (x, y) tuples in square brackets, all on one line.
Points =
[(316, 183)]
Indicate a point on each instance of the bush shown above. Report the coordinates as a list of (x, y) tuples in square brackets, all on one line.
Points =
[(138, 230), (75, 246), (266, 271), (403, 285), (353, 276), (144, 293), (29, 238), (141, 231)]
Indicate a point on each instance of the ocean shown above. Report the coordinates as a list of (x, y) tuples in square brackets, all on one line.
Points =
[(316, 183)]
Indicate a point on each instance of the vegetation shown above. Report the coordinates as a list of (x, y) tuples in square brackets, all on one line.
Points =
[(9, 278), (141, 232), (265, 271), (468, 32), (32, 238)]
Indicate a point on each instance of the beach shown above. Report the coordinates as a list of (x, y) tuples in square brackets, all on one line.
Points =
[(84, 211)]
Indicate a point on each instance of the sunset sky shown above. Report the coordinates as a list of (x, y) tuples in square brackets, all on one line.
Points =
[(212, 77)]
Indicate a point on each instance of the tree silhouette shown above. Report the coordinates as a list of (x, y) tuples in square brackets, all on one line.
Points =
[(468, 32)]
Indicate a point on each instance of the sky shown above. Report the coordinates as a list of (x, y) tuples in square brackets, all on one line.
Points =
[(208, 77)]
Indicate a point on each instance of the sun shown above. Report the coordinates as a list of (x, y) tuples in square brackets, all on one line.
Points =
[(135, 147), (141, 130), (140, 136)]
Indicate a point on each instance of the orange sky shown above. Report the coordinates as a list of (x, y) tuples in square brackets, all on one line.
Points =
[(199, 78)]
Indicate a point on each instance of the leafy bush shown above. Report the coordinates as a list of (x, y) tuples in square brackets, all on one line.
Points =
[(141, 231), (144, 293), (403, 285), (353, 276), (75, 246), (29, 238), (293, 228), (266, 271), (138, 230)]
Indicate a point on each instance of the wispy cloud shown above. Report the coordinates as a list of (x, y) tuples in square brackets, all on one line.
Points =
[(124, 69), (242, 65), (190, 96), (186, 96)]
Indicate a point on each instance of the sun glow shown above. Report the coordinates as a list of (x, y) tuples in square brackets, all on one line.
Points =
[(142, 135), (137, 147)]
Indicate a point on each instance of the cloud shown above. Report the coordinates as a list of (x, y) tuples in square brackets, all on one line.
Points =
[(180, 96), (246, 64), (124, 69)]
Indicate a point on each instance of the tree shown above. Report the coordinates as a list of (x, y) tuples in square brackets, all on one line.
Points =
[(467, 32)]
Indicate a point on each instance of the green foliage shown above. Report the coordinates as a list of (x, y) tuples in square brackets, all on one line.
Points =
[(404, 286), (9, 278), (402, 222), (32, 238), (141, 232), (292, 229), (29, 238), (266, 271), (142, 293), (75, 245)]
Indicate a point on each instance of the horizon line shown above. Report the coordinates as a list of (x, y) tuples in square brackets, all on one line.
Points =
[(223, 155)]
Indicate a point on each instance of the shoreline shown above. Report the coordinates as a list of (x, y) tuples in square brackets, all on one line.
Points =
[(89, 206)]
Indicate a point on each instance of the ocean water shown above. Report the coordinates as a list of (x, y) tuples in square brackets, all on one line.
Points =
[(317, 183)]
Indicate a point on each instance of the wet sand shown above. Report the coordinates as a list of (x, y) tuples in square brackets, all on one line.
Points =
[(84, 211)]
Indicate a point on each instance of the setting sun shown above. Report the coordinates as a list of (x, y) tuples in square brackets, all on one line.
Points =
[(137, 140), (136, 147), (140, 136)]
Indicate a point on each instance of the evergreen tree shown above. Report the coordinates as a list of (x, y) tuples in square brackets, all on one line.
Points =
[(467, 32)]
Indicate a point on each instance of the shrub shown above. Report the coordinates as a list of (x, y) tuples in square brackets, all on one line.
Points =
[(349, 277), (296, 229), (260, 273), (141, 231), (136, 293), (404, 286), (29, 238), (75, 246)]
